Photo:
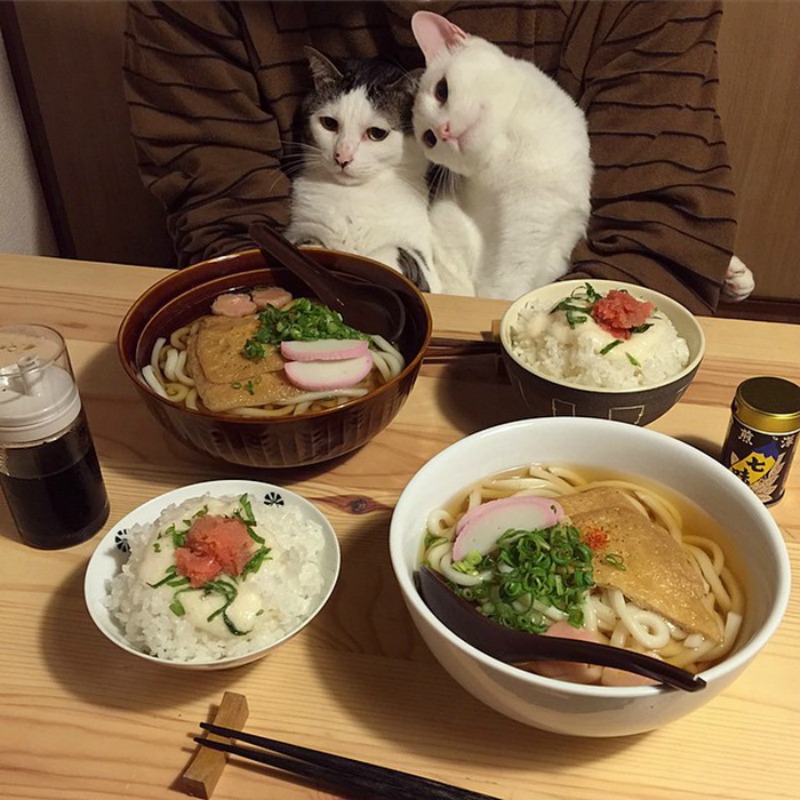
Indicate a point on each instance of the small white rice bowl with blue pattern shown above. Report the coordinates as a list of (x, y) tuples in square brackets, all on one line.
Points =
[(138, 599)]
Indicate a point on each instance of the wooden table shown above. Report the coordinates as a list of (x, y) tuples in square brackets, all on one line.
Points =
[(82, 719)]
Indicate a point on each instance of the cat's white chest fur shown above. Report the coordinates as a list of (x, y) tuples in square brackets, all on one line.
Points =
[(387, 212), (362, 187)]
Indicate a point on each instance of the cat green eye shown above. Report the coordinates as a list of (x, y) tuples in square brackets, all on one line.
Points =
[(440, 91), (377, 134), (329, 123)]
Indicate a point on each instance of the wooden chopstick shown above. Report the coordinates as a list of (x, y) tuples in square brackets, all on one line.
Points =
[(336, 771), (442, 349)]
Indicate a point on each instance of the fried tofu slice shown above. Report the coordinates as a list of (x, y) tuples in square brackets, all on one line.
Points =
[(219, 342), (658, 574), (591, 499), (224, 378)]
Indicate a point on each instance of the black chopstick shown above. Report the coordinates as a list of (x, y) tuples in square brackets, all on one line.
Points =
[(337, 771)]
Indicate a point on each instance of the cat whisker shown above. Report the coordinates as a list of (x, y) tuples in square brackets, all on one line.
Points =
[(273, 183), (442, 182)]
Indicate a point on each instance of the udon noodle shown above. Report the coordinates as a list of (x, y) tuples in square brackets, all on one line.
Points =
[(607, 614), (168, 373)]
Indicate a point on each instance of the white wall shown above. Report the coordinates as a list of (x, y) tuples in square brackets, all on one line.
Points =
[(24, 222)]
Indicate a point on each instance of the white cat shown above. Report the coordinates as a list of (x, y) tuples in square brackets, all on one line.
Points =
[(362, 188), (519, 148)]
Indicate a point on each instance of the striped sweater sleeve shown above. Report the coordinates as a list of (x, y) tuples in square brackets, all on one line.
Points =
[(663, 210), (209, 115), (205, 146)]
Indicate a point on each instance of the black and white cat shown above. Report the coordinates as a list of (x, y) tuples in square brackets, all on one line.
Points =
[(519, 148), (362, 187)]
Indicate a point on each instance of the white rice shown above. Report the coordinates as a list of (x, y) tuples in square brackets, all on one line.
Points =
[(289, 583), (547, 344)]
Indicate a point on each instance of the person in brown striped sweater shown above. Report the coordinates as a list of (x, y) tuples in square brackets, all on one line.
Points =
[(213, 91)]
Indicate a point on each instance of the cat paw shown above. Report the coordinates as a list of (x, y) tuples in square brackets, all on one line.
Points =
[(739, 281)]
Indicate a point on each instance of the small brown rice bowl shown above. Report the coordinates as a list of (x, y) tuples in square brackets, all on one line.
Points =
[(581, 370)]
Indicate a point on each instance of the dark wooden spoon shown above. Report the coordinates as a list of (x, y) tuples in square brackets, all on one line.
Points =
[(365, 306), (517, 647)]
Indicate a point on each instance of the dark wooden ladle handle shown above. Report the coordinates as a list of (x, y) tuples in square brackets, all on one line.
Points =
[(517, 647), (363, 305)]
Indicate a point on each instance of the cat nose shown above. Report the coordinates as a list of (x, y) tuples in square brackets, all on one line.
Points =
[(444, 132), (343, 155)]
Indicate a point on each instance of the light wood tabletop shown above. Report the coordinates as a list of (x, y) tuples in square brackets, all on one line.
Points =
[(82, 719)]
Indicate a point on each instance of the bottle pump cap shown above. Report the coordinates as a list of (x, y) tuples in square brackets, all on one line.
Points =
[(38, 394)]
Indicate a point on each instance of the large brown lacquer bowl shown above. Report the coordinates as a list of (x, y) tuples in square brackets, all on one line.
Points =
[(278, 442)]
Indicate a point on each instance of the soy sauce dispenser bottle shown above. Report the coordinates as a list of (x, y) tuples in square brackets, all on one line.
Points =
[(48, 465)]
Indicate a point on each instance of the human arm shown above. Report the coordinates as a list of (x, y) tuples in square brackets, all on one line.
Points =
[(663, 209), (205, 146)]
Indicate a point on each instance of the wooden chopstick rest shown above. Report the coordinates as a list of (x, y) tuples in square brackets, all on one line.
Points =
[(205, 768)]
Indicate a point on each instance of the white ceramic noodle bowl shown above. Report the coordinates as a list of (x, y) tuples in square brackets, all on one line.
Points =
[(570, 708)]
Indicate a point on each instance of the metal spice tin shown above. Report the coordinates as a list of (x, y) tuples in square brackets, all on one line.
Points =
[(763, 434)]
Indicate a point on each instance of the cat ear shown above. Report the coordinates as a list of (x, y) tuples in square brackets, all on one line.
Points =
[(435, 34), (323, 71)]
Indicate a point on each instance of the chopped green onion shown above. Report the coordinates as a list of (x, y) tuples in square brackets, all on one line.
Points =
[(529, 570), (615, 560), (304, 320)]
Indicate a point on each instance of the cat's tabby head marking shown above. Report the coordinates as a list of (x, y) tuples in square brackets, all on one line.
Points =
[(357, 118)]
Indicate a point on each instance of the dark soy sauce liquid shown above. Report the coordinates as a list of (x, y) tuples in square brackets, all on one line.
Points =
[(55, 490)]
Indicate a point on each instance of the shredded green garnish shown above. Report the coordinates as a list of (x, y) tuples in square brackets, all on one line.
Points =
[(254, 564), (529, 572), (227, 588), (171, 578), (304, 320), (610, 346), (229, 592), (176, 607), (578, 306), (245, 514)]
